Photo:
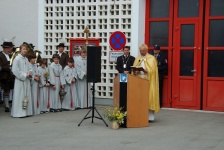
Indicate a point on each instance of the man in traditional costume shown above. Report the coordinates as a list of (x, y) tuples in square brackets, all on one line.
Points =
[(12, 77), (71, 97), (63, 56), (22, 70), (125, 61), (84, 92), (6, 72), (150, 72)]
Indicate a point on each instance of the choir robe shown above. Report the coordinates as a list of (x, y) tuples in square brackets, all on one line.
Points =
[(84, 92), (56, 78), (44, 90), (149, 63), (71, 97), (35, 91), (22, 88)]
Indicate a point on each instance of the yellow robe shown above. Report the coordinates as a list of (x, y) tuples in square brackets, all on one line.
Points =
[(152, 75)]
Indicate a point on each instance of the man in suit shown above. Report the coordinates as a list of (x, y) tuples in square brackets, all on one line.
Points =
[(63, 56), (162, 67), (6, 72), (125, 61)]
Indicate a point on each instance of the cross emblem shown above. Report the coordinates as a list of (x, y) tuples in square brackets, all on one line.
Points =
[(86, 31)]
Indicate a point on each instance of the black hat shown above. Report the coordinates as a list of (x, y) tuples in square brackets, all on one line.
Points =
[(56, 56), (61, 45), (31, 45), (7, 44), (156, 47)]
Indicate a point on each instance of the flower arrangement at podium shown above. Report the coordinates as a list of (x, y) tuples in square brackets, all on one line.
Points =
[(115, 115)]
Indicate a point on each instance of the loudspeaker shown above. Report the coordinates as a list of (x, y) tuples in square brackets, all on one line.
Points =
[(94, 64)]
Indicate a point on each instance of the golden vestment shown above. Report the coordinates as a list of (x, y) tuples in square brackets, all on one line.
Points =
[(152, 75)]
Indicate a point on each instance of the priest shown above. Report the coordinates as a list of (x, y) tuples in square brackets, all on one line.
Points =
[(150, 72)]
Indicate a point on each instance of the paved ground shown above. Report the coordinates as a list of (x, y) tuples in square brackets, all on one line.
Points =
[(172, 130)]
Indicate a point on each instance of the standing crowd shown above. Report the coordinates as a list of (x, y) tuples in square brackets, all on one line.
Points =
[(39, 88)]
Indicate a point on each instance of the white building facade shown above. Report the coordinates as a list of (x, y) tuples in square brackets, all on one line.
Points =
[(46, 22)]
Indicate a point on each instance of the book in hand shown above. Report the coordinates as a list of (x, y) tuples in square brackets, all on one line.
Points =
[(137, 68)]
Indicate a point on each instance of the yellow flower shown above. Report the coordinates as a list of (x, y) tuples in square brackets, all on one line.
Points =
[(115, 114)]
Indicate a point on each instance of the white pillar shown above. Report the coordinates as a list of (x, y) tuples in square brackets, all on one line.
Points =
[(41, 26), (137, 25)]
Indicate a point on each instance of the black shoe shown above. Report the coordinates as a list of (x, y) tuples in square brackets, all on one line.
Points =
[(78, 108), (7, 109)]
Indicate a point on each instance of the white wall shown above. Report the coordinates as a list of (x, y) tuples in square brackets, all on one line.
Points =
[(19, 18), (137, 26)]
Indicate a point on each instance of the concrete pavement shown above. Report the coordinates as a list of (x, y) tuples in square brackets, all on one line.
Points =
[(172, 130)]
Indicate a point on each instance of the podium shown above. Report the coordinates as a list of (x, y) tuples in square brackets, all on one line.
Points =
[(132, 94)]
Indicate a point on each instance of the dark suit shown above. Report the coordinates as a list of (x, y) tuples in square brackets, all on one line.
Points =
[(162, 67), (64, 60), (5, 73), (121, 60)]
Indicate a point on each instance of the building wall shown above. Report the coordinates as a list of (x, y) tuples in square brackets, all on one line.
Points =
[(45, 23), (68, 18), (20, 19)]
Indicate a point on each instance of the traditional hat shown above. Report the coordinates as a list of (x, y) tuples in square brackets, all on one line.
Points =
[(156, 47), (31, 45), (7, 44), (61, 45)]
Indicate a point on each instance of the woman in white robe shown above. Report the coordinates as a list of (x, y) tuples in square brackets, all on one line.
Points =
[(23, 72), (71, 97), (84, 92)]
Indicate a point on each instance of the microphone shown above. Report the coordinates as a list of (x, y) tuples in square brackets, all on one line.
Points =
[(139, 61)]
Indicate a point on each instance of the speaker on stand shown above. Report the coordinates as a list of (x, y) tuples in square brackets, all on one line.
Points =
[(94, 76)]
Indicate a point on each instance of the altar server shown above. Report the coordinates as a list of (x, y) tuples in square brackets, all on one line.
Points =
[(22, 70), (44, 86), (35, 91), (57, 82), (71, 97), (84, 92)]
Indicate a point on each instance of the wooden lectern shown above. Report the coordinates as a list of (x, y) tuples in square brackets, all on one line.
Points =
[(132, 93)]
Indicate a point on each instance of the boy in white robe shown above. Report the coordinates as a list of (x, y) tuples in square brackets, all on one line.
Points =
[(57, 82), (23, 72), (35, 91), (84, 92), (71, 97), (44, 86)]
